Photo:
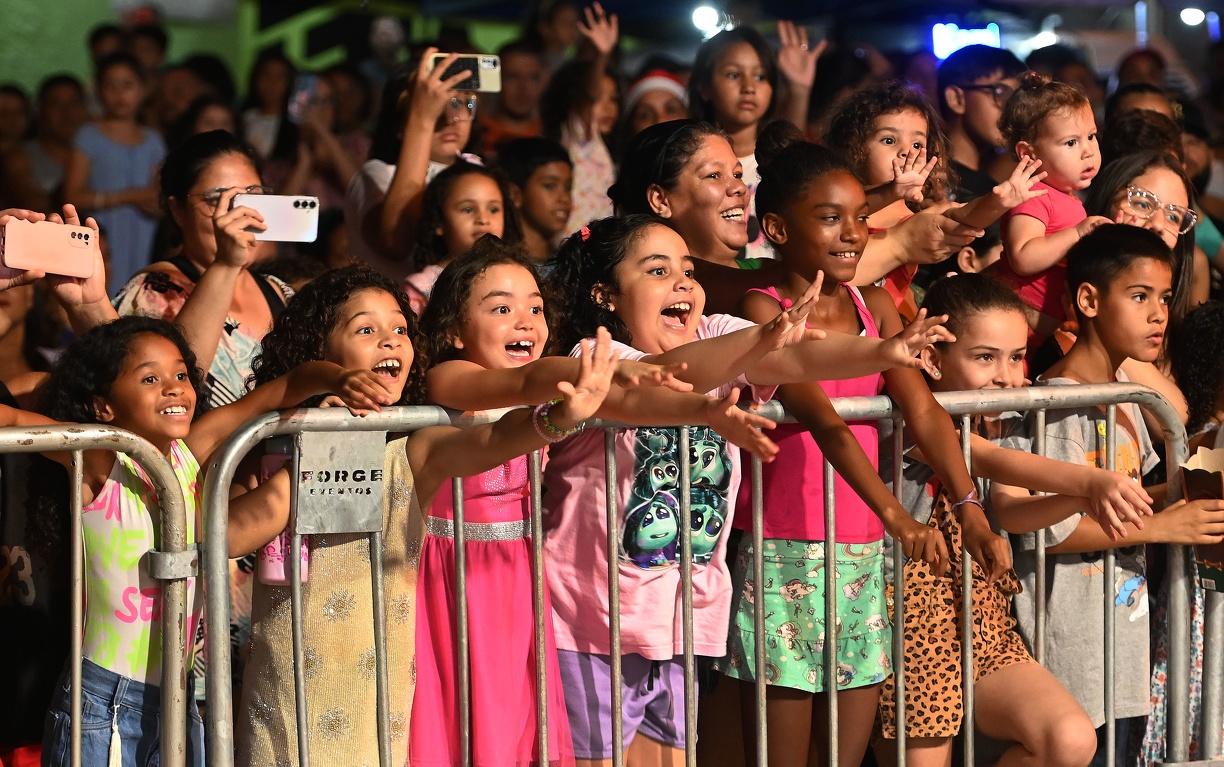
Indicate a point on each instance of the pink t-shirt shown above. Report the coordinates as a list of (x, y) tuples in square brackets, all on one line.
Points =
[(647, 482), (1042, 291), (792, 486)]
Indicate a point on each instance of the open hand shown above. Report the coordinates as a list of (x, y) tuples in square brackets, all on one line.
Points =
[(796, 59), (600, 29), (741, 427), (790, 326), (1018, 187), (930, 236), (582, 398), (903, 348), (910, 174)]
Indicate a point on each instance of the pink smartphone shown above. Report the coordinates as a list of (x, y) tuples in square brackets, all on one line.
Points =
[(53, 248)]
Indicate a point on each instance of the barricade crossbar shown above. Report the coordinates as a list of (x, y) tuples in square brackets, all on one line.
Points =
[(961, 405)]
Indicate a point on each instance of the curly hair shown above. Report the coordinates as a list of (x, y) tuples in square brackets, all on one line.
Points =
[(87, 369), (445, 313), (853, 124), (301, 331), (431, 247), (582, 264), (1196, 356), (657, 155), (707, 58), (1037, 98)]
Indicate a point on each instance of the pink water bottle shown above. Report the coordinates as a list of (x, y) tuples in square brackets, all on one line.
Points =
[(273, 565)]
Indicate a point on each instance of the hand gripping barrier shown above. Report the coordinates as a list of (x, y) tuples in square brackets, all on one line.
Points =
[(172, 564), (961, 405)]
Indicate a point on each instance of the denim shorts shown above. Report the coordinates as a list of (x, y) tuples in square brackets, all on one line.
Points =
[(133, 706)]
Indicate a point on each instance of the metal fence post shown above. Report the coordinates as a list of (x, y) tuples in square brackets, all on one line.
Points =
[(538, 602), (831, 628), (614, 643)]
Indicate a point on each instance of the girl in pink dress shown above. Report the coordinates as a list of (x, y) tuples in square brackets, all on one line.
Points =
[(487, 329)]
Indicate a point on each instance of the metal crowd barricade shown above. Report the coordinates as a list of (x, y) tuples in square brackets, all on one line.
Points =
[(961, 405), (172, 564)]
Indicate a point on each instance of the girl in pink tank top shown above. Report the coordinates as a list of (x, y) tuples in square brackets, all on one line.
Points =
[(814, 211)]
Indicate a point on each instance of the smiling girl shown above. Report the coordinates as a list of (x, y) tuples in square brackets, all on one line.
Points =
[(462, 204), (359, 318)]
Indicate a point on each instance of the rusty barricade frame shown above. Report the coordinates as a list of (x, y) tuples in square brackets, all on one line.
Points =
[(962, 406)]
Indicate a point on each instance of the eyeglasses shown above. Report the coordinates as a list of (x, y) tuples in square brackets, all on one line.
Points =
[(212, 197), (462, 109), (1000, 92), (1143, 204)]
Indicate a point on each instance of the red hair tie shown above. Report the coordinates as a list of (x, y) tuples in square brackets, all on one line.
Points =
[(585, 233)]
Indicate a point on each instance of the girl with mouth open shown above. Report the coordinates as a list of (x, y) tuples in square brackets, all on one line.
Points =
[(634, 275), (487, 329)]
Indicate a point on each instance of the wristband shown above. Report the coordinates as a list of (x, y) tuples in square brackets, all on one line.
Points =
[(971, 498), (542, 421)]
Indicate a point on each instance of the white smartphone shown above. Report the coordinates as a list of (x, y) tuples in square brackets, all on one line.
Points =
[(288, 218), (486, 72), (53, 248)]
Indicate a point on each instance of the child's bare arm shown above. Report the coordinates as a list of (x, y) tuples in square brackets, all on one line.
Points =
[(1017, 189), (1030, 251), (1187, 523), (360, 390), (258, 515), (1112, 496)]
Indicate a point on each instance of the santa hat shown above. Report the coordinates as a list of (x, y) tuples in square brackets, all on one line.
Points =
[(654, 80)]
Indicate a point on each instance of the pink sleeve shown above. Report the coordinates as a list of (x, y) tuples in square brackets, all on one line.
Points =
[(1039, 208)]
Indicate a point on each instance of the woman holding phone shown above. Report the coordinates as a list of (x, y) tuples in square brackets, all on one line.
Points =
[(423, 126), (207, 289)]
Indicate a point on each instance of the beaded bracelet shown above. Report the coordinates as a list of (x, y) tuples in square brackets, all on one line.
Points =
[(548, 432)]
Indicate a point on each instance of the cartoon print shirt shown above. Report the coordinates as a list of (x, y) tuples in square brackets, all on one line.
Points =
[(123, 602), (648, 526), (1074, 632)]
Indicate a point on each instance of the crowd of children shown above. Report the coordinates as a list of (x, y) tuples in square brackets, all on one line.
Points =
[(570, 253)]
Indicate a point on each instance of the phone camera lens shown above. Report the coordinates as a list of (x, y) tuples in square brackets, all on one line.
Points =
[(312, 204), (297, 203), (73, 235)]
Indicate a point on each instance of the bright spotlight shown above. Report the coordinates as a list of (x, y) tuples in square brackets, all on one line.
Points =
[(1192, 16), (706, 19)]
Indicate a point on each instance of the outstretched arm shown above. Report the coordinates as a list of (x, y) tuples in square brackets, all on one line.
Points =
[(439, 453), (360, 390), (1017, 189)]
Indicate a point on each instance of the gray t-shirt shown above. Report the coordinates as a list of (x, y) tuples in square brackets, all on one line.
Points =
[(1075, 629)]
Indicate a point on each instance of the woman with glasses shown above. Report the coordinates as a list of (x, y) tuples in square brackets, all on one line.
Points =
[(1150, 190), (423, 126), (207, 288)]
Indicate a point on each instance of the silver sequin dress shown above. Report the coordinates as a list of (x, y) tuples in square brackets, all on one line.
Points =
[(339, 656)]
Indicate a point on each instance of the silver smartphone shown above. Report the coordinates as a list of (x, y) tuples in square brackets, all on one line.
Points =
[(486, 72), (288, 218)]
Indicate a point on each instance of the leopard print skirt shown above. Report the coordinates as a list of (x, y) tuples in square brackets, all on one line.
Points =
[(932, 628)]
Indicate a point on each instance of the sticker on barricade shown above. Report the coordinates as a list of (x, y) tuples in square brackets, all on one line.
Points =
[(340, 482)]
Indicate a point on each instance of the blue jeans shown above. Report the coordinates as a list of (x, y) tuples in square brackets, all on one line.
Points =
[(1122, 735), (107, 697)]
